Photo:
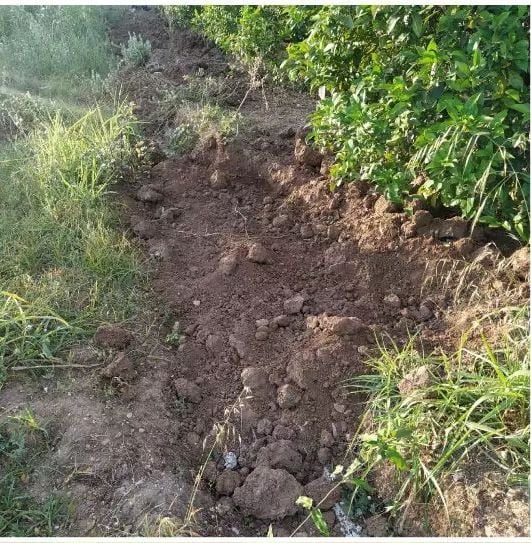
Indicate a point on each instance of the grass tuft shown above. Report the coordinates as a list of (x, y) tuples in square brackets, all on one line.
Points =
[(475, 404)]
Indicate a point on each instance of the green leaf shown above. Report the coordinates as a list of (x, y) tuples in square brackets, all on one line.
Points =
[(396, 458), (320, 522), (347, 21), (392, 23), (416, 24)]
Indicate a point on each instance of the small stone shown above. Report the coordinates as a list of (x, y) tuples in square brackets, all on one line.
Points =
[(281, 321), (227, 482), (147, 193), (306, 231), (262, 333), (325, 494), (333, 232), (186, 390), (280, 221), (258, 254), (392, 300), (196, 303), (230, 460), (260, 323), (267, 200), (264, 427), (421, 218), (228, 264), (417, 379), (288, 396), (112, 336), (293, 305), (324, 455), (327, 439)]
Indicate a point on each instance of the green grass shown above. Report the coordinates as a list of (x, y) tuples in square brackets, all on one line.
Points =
[(54, 51), (64, 266), (21, 440), (475, 409)]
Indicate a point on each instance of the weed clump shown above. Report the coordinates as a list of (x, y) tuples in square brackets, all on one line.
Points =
[(137, 51), (430, 416)]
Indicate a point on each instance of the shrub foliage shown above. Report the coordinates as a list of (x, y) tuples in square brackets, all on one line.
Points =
[(427, 102)]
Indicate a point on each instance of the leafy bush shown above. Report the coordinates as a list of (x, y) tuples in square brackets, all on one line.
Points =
[(250, 32), (178, 16), (429, 101), (137, 51)]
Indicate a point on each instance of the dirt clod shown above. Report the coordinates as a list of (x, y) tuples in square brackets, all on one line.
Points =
[(346, 326), (288, 396), (519, 262), (112, 336), (146, 193), (325, 494), (256, 380), (280, 454), (268, 494), (417, 379), (227, 482), (228, 264), (186, 390), (259, 254), (293, 305), (376, 526), (121, 368)]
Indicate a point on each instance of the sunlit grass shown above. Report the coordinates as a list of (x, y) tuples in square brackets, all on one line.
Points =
[(476, 405)]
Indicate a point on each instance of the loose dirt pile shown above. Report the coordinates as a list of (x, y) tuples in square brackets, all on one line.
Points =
[(269, 291)]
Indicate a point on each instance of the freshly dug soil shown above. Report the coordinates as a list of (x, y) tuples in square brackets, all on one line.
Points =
[(267, 294)]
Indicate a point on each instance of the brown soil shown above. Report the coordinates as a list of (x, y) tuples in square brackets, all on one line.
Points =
[(129, 443)]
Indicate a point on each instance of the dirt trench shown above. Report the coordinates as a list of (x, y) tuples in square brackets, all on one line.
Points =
[(267, 294)]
